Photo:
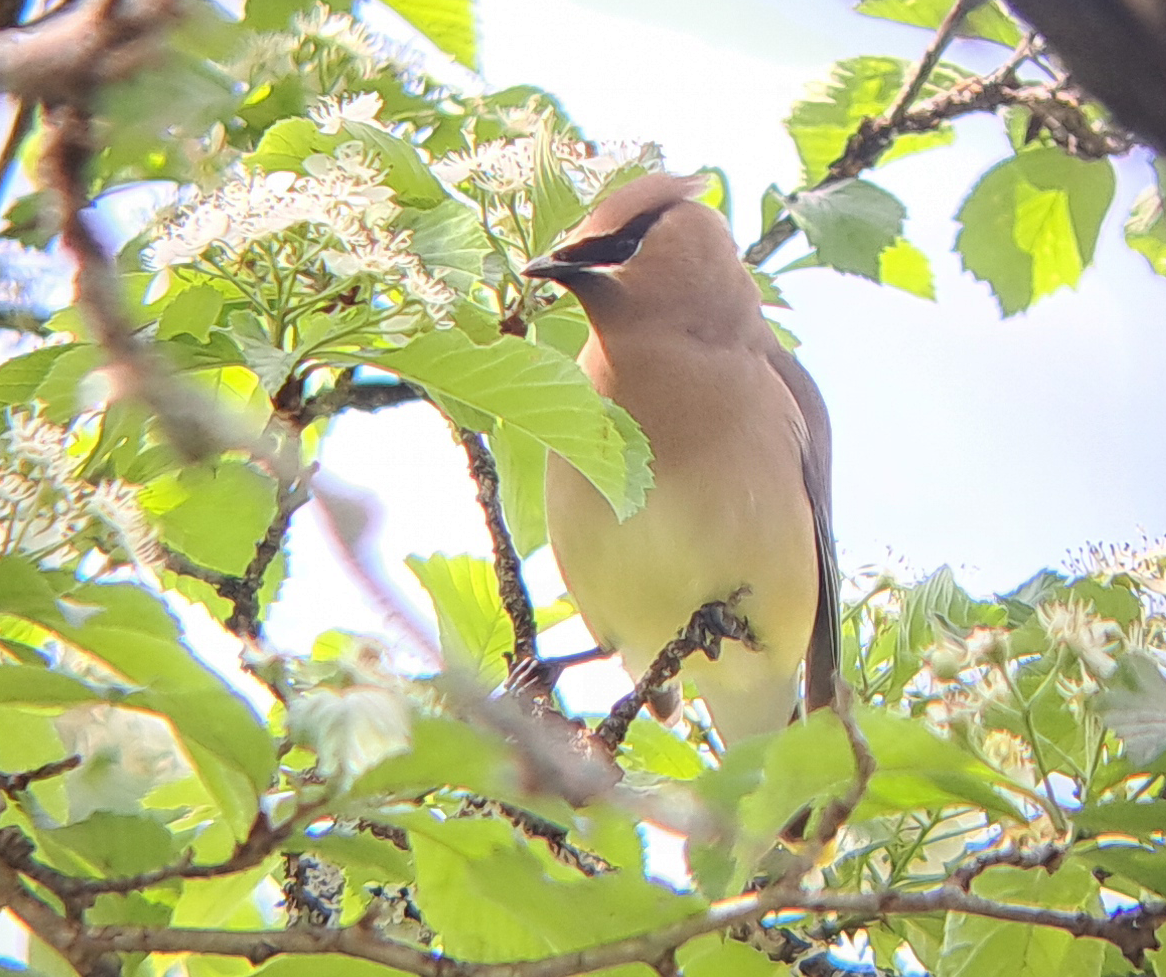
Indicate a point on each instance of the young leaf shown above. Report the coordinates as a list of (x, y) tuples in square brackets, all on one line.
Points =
[(474, 628), (850, 223), (447, 23), (989, 20), (1145, 229), (1030, 225), (540, 393)]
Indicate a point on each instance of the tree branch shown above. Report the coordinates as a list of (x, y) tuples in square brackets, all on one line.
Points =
[(1056, 106), (507, 566), (705, 630), (348, 394), (14, 783)]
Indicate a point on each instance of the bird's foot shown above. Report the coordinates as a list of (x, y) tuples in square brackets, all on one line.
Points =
[(718, 620), (538, 676)]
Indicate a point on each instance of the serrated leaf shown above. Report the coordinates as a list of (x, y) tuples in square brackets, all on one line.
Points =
[(287, 143), (974, 946), (902, 265), (474, 628), (653, 748), (493, 897), (1030, 225), (522, 468), (1145, 229), (192, 310), (444, 752), (136, 635), (450, 242), (555, 205), (562, 325), (540, 393), (412, 181), (22, 375), (857, 89), (989, 21), (190, 504), (850, 223), (117, 844), (447, 23), (1134, 706)]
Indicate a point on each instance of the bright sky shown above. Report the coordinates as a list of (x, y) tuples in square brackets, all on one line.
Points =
[(992, 446)]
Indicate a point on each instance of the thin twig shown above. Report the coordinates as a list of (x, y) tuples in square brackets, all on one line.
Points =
[(922, 70), (13, 783), (705, 630), (348, 394), (507, 566), (1048, 857)]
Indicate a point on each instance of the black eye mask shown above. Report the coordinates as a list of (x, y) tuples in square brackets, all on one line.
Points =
[(611, 249)]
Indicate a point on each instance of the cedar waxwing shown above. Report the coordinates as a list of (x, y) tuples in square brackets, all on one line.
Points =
[(742, 459)]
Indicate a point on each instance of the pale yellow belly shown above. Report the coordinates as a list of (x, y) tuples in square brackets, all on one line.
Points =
[(701, 536)]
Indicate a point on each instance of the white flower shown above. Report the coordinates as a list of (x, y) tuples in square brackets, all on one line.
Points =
[(33, 439), (116, 504), (350, 729), (1075, 626), (437, 297), (342, 31), (332, 112)]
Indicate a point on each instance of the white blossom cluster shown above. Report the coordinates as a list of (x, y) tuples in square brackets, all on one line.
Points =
[(45, 509), (341, 207), (321, 45), (507, 166)]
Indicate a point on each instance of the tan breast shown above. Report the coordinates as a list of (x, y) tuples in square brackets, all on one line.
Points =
[(728, 509)]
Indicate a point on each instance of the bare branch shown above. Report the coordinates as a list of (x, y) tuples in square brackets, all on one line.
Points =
[(348, 394), (507, 566), (705, 630), (65, 56), (13, 783), (1048, 857)]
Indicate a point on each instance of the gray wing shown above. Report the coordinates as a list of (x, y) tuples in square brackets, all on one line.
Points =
[(822, 657)]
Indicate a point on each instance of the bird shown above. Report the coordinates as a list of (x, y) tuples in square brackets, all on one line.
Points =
[(741, 449)]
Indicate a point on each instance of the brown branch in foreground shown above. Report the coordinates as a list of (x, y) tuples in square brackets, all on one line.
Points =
[(13, 783), (67, 54), (507, 566), (922, 70), (1048, 857), (705, 630), (1132, 933)]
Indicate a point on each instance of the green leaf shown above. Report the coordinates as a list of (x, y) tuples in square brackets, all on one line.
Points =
[(850, 222), (33, 220), (493, 896), (117, 844), (989, 21), (450, 242), (193, 310), (32, 686), (715, 955), (444, 752), (555, 205), (522, 469), (823, 123), (25, 592), (561, 325), (135, 634), (413, 181), (474, 628), (365, 858), (60, 389), (190, 506), (540, 393), (447, 23), (902, 265), (652, 748), (915, 770), (22, 375), (1139, 819), (287, 143), (974, 946), (1030, 225), (1134, 706), (322, 965), (1144, 866), (1145, 228)]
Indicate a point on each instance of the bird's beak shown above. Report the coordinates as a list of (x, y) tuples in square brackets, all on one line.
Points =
[(551, 267)]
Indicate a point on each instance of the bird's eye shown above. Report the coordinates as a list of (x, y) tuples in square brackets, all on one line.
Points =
[(611, 249)]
